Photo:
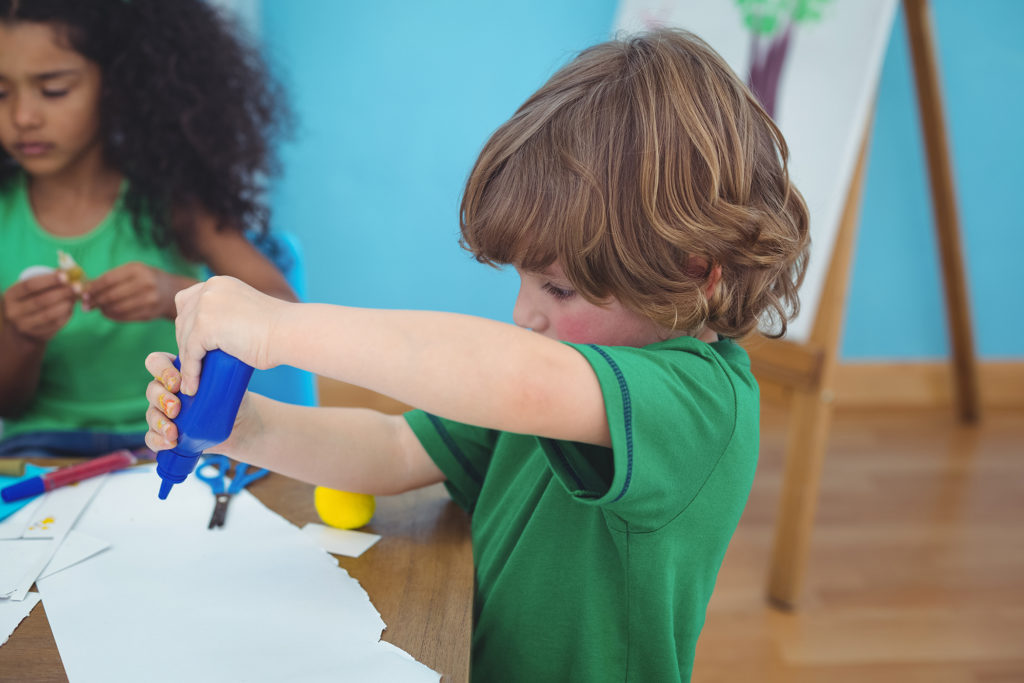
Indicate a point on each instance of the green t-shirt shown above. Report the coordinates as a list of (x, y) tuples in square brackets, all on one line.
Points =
[(597, 564), (93, 377)]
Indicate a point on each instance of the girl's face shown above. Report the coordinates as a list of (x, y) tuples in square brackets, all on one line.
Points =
[(548, 304), (49, 101)]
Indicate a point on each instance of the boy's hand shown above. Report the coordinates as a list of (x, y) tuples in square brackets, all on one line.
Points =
[(38, 307), (134, 291), (227, 314), (164, 405)]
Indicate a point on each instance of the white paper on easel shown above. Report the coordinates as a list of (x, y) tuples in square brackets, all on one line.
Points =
[(255, 600), (824, 104)]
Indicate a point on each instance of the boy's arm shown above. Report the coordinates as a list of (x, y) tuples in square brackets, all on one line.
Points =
[(350, 449), (459, 367)]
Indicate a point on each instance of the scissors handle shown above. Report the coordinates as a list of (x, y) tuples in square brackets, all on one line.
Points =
[(220, 465), (243, 477)]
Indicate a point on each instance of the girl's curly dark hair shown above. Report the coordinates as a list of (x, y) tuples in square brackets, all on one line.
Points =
[(190, 113)]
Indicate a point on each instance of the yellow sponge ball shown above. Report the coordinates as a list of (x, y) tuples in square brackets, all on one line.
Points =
[(342, 509)]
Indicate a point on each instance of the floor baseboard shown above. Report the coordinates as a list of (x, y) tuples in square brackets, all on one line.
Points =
[(924, 385)]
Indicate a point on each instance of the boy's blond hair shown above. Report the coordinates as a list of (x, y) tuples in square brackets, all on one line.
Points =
[(639, 167)]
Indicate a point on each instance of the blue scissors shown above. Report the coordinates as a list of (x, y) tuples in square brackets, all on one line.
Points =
[(220, 466)]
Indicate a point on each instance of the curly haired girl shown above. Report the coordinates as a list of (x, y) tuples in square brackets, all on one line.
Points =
[(134, 140)]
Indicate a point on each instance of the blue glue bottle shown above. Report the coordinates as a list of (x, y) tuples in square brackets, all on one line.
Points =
[(205, 419)]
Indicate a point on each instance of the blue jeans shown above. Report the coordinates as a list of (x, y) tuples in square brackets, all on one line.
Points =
[(68, 444)]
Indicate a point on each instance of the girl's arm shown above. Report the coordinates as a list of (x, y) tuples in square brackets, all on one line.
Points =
[(21, 360), (31, 312), (229, 252), (350, 449), (460, 367), (137, 291)]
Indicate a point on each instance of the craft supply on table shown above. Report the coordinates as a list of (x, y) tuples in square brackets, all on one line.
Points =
[(12, 467), (33, 486), (214, 471), (343, 509), (205, 419)]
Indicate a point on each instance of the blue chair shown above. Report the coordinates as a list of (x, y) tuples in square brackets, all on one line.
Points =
[(285, 383)]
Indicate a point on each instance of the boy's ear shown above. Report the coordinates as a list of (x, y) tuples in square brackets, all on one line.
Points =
[(700, 267), (714, 277)]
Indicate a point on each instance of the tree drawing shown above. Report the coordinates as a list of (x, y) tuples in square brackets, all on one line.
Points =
[(771, 24)]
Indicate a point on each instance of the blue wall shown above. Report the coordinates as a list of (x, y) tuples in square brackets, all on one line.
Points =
[(396, 98)]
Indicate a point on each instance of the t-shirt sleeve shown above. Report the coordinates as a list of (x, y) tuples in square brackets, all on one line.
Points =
[(671, 414), (462, 452)]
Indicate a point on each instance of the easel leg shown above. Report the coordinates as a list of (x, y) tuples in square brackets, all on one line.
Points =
[(811, 416), (947, 225), (811, 411)]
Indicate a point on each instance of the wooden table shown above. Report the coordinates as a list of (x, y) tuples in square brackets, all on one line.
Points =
[(419, 576)]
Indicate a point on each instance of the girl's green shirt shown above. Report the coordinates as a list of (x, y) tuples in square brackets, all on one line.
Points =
[(93, 377)]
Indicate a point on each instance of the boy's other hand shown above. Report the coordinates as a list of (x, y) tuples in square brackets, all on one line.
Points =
[(224, 313), (134, 291), (164, 403), (36, 308)]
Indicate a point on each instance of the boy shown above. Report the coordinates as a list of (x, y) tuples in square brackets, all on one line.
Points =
[(605, 445)]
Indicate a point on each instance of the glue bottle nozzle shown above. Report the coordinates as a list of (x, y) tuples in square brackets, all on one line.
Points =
[(165, 488)]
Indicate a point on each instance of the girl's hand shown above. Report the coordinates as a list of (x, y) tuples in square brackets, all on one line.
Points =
[(164, 405), (134, 291), (227, 314), (38, 307)]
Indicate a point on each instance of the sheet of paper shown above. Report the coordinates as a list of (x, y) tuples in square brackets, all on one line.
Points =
[(52, 520), (13, 613), (14, 526), (8, 509), (60, 508), (76, 548), (255, 600), (340, 541), (18, 558)]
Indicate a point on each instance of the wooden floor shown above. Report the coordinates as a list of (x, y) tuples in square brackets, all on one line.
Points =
[(916, 571)]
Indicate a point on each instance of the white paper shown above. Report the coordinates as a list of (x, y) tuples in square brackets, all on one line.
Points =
[(13, 613), (340, 541), (19, 557), (60, 507), (51, 521), (255, 600), (14, 526), (75, 548)]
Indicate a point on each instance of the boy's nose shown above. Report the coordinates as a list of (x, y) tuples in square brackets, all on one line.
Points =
[(526, 315)]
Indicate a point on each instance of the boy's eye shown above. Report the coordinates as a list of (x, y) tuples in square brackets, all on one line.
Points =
[(55, 92), (558, 292)]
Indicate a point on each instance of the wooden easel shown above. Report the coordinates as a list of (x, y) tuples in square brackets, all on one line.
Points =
[(805, 371)]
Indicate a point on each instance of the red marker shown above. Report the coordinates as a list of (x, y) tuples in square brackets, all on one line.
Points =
[(33, 486)]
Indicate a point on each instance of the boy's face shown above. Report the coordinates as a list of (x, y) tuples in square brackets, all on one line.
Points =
[(49, 100), (548, 304)]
